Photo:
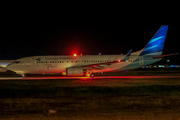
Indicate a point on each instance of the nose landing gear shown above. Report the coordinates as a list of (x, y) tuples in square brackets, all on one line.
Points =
[(23, 75)]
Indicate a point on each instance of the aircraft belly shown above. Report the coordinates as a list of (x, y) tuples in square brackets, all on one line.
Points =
[(49, 68)]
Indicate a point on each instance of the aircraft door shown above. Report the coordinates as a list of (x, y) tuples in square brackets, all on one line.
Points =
[(141, 60), (35, 67), (28, 66)]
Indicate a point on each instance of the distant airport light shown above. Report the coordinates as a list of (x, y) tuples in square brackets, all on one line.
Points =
[(75, 55), (174, 66), (160, 66)]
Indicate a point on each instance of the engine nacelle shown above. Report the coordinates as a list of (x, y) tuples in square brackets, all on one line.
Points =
[(74, 71)]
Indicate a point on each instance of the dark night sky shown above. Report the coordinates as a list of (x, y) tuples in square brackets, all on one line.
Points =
[(63, 33)]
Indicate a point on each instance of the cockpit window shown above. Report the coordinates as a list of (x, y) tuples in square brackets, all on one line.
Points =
[(16, 62)]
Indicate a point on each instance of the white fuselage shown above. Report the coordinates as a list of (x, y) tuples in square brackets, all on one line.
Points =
[(59, 64)]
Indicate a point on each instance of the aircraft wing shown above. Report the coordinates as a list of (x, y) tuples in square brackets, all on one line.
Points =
[(101, 66)]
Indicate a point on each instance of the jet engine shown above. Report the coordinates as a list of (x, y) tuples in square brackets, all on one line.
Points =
[(75, 71)]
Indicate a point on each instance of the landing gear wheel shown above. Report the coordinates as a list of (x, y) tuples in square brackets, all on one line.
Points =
[(23, 75), (92, 75)]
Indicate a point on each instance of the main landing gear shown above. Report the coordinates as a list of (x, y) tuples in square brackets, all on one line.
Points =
[(89, 74), (92, 75)]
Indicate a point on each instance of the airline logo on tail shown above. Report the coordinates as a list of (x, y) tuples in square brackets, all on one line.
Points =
[(156, 44)]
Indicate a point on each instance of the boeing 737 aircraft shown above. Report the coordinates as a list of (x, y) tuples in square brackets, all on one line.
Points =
[(80, 65)]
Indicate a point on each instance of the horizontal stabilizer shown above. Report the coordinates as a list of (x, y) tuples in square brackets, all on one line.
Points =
[(162, 56)]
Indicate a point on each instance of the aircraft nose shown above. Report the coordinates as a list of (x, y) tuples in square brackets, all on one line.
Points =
[(10, 67)]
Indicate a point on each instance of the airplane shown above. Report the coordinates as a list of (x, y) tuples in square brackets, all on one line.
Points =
[(87, 65)]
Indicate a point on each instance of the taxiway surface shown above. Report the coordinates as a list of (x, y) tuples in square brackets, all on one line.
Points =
[(103, 97), (84, 78)]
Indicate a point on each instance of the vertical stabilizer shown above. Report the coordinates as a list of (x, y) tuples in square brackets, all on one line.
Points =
[(156, 44)]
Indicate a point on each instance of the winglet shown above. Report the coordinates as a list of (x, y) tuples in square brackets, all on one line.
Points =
[(128, 55)]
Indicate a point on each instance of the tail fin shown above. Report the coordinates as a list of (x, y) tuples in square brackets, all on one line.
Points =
[(156, 44)]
